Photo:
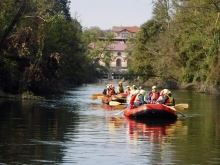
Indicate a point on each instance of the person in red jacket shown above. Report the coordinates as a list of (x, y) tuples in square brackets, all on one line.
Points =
[(132, 98)]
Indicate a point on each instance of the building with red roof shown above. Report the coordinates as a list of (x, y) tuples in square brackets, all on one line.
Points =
[(118, 65)]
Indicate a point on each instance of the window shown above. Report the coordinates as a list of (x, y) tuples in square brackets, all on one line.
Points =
[(118, 62), (119, 53), (124, 35)]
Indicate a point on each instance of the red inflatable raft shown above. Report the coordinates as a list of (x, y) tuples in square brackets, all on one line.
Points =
[(151, 111)]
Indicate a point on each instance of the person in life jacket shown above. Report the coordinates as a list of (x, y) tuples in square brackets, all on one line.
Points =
[(171, 100), (112, 88), (139, 99), (133, 88), (167, 98), (120, 88), (132, 98), (153, 96), (105, 90), (128, 90), (109, 92)]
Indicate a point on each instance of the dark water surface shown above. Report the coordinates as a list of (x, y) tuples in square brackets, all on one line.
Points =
[(73, 129)]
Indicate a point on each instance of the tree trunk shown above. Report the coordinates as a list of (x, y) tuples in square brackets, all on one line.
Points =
[(13, 22)]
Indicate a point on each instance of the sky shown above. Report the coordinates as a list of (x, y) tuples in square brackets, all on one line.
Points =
[(108, 13)]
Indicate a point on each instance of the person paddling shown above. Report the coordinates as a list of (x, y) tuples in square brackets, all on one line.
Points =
[(139, 99), (167, 98), (153, 96), (120, 88)]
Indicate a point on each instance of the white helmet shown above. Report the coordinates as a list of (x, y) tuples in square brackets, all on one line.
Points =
[(154, 87), (166, 91), (142, 92)]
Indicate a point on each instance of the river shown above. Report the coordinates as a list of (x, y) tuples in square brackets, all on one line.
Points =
[(73, 129)]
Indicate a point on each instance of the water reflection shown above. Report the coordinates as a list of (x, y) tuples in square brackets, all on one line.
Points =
[(150, 130), (73, 129), (31, 133), (114, 123)]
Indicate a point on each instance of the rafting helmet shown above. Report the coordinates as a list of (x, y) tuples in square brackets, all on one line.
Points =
[(142, 92), (136, 91), (166, 91), (154, 87)]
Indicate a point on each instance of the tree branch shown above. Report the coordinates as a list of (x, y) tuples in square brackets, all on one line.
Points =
[(13, 22)]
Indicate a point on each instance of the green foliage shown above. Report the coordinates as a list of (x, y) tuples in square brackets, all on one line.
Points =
[(99, 45), (142, 55), (181, 41), (43, 49)]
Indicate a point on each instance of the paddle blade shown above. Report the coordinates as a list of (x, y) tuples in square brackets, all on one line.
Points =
[(94, 97), (118, 107), (114, 103), (101, 97), (184, 105), (98, 94), (181, 106)]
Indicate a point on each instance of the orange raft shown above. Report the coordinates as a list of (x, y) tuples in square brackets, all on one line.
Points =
[(152, 111)]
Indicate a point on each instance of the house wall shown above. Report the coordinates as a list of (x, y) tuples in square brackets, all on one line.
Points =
[(121, 34), (122, 57)]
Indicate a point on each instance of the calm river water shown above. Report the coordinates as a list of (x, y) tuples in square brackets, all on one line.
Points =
[(73, 129)]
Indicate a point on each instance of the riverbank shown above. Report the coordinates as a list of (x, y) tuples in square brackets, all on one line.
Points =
[(197, 87), (26, 95)]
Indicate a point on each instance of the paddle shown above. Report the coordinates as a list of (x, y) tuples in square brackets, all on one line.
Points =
[(114, 103), (98, 94), (119, 112), (173, 107), (118, 107), (169, 107), (94, 97), (181, 106), (181, 113)]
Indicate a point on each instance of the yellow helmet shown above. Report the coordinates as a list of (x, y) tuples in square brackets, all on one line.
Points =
[(120, 82)]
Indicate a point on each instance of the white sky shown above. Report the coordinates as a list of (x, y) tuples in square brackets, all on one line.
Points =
[(108, 13)]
